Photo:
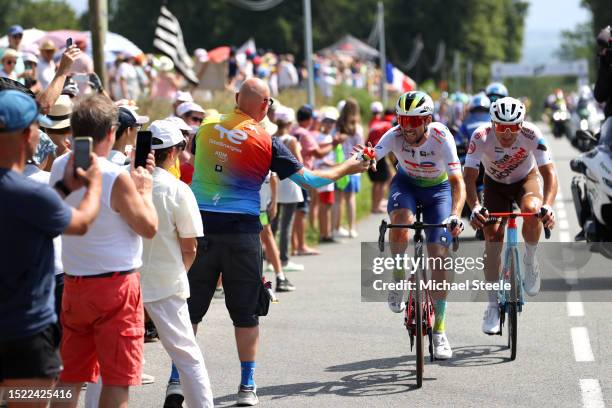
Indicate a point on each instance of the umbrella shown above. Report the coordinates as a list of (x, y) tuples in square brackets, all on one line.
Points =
[(219, 54), (351, 46)]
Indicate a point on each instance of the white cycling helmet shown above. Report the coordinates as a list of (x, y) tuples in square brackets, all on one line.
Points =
[(507, 110), (414, 103)]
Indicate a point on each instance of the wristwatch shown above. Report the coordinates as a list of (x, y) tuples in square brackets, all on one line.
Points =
[(59, 185)]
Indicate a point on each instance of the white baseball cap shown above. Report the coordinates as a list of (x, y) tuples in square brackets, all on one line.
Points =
[(182, 96), (165, 134), (284, 114), (180, 123), (376, 107), (330, 113), (185, 107)]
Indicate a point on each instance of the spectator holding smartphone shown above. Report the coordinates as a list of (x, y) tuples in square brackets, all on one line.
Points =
[(34, 214), (102, 310)]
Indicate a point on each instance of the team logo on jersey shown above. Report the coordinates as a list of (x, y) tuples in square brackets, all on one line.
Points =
[(528, 133), (503, 167), (499, 149), (425, 154), (235, 136), (471, 148), (222, 156), (218, 168)]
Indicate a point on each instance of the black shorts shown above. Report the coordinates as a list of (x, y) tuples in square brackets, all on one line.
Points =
[(304, 205), (238, 258), (36, 356), (382, 171)]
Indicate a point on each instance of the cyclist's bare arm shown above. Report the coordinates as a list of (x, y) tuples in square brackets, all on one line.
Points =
[(470, 175), (551, 185), (458, 192)]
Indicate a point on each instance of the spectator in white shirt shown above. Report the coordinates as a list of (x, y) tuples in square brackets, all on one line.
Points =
[(166, 259), (46, 65)]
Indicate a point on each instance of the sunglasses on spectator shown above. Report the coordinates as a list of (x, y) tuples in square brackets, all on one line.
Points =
[(411, 122), (10, 62), (269, 101), (502, 127), (196, 119), (17, 36)]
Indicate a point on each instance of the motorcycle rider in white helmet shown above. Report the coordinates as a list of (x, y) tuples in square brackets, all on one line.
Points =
[(516, 160), (428, 173)]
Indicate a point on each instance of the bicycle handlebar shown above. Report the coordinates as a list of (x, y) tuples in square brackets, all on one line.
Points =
[(414, 226), (495, 217)]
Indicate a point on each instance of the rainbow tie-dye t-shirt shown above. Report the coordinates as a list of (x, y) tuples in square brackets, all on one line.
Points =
[(233, 157)]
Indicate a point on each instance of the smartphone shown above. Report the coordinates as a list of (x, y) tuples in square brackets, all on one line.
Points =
[(143, 148), (68, 42), (82, 152)]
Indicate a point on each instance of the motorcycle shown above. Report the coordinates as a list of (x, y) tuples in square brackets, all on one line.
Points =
[(592, 189), (559, 121), (586, 118)]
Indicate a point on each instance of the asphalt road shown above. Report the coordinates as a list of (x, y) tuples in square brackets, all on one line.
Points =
[(322, 347)]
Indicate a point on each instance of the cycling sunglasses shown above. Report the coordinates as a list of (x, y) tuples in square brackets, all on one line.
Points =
[(410, 121), (502, 127)]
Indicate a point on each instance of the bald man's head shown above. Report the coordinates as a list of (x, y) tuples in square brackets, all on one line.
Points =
[(253, 98)]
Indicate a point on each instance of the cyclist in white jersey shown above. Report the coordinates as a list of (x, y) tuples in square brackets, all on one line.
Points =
[(428, 173), (514, 155)]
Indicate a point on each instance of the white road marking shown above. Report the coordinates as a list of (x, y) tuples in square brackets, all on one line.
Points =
[(582, 344), (575, 308), (564, 236), (559, 195), (592, 397), (571, 277), (562, 214), (560, 205), (563, 224)]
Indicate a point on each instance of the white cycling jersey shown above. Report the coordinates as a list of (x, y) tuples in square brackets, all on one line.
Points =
[(427, 165), (508, 165)]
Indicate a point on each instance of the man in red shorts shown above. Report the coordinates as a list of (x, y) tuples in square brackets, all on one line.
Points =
[(102, 310)]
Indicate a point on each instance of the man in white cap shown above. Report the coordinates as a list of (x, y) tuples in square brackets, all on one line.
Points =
[(192, 113), (166, 259), (125, 135), (180, 97)]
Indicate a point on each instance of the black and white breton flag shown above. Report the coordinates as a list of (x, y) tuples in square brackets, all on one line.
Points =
[(169, 41)]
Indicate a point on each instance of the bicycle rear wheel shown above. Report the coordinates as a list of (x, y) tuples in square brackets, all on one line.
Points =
[(512, 305), (419, 331)]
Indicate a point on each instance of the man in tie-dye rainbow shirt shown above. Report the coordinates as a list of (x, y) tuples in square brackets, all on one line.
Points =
[(233, 156)]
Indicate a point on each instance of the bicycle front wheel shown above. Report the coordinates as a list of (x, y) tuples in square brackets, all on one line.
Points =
[(419, 331), (512, 305)]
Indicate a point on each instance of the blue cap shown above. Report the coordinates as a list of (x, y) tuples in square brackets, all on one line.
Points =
[(18, 111), (15, 29)]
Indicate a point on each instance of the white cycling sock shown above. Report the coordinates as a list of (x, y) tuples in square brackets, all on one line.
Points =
[(530, 250), (280, 275)]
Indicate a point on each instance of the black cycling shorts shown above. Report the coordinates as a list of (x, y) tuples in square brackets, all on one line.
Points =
[(238, 258), (35, 356)]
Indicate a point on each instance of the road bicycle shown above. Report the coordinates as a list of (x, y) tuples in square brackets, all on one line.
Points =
[(511, 296), (419, 306)]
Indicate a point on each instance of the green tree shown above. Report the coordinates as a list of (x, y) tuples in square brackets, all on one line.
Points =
[(602, 13), (481, 30), (43, 14)]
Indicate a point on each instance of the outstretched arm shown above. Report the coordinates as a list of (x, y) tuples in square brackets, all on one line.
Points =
[(322, 177)]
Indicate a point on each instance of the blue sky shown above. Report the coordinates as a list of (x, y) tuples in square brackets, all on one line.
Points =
[(545, 21)]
